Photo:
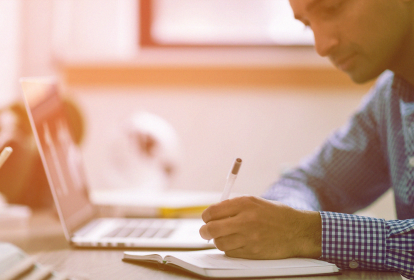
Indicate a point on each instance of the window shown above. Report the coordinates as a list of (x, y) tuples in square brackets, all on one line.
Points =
[(173, 23)]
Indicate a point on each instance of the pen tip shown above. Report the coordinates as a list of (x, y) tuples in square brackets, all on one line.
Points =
[(236, 166)]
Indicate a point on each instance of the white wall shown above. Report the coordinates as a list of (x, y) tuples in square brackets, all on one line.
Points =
[(95, 29), (25, 45), (37, 34), (9, 49), (36, 28)]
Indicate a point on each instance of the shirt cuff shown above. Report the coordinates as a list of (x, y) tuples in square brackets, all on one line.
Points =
[(400, 246), (352, 241)]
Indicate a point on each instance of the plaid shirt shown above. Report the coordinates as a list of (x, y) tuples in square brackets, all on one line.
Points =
[(355, 166)]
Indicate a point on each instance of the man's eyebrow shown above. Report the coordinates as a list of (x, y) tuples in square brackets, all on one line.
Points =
[(309, 7)]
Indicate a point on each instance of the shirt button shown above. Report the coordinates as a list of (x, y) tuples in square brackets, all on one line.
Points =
[(411, 161), (353, 264)]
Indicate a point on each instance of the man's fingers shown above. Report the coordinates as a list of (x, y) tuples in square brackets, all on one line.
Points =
[(204, 233), (226, 208), (230, 242), (238, 253), (218, 228), (220, 210)]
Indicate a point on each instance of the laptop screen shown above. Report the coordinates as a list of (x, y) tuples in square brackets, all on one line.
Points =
[(60, 156)]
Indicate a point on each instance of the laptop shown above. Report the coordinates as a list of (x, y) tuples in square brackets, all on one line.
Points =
[(62, 161)]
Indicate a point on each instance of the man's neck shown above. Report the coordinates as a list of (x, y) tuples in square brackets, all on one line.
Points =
[(407, 71), (404, 62)]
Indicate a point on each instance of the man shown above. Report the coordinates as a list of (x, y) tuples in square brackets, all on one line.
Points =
[(358, 163)]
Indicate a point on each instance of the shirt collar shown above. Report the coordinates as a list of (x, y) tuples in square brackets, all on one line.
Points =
[(404, 89)]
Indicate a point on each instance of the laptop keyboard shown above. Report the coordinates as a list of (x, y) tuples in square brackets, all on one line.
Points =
[(145, 228)]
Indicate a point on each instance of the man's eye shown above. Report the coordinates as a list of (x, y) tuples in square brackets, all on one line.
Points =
[(332, 7), (329, 8)]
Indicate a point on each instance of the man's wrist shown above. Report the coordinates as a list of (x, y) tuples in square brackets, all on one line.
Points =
[(310, 235)]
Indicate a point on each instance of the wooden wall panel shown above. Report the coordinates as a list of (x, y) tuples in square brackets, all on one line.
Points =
[(113, 76)]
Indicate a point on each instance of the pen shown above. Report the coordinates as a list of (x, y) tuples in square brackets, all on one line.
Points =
[(231, 178), (234, 170), (5, 154)]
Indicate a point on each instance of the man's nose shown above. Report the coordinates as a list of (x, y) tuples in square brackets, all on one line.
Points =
[(325, 41)]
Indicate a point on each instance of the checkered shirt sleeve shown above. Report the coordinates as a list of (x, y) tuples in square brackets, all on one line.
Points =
[(356, 242)]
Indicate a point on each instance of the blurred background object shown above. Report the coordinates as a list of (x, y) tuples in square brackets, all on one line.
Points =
[(23, 171), (144, 154), (22, 177), (13, 216)]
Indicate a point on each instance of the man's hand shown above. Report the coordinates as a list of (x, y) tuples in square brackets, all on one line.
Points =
[(255, 228)]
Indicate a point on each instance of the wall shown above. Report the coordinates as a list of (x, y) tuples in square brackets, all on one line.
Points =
[(268, 128), (9, 49), (26, 45), (94, 29)]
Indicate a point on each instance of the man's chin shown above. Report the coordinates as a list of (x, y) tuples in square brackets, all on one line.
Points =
[(361, 78)]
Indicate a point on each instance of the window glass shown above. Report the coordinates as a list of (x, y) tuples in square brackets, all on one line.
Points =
[(227, 22)]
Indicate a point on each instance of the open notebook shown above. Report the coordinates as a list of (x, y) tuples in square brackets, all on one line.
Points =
[(215, 264)]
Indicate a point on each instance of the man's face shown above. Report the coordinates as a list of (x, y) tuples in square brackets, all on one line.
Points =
[(361, 37)]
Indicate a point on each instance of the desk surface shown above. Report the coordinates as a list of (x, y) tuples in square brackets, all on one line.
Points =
[(44, 239)]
